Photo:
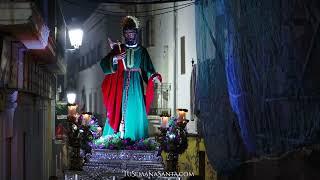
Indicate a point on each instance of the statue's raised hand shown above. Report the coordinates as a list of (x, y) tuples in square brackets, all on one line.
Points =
[(111, 43)]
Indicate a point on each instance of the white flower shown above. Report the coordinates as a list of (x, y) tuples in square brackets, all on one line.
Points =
[(74, 127), (172, 136)]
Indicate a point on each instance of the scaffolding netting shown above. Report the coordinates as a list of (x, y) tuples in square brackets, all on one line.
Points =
[(258, 83)]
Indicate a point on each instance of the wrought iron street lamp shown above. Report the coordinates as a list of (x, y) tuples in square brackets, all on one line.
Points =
[(72, 106), (71, 98), (75, 36)]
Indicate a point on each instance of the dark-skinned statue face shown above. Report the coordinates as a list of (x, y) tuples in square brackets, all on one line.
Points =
[(130, 36), (130, 26)]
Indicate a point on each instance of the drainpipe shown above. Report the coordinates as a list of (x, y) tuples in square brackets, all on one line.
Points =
[(175, 58)]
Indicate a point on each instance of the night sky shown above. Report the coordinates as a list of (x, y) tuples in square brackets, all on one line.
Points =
[(80, 9)]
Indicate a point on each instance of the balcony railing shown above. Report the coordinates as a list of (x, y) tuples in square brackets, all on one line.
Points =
[(161, 97)]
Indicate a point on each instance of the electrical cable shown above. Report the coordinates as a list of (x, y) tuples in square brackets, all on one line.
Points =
[(136, 3), (110, 13), (160, 9), (166, 11), (150, 15)]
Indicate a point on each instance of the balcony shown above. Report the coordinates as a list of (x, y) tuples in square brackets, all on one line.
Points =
[(23, 21), (159, 106)]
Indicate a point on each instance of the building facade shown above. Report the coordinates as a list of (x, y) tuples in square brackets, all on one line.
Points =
[(32, 43), (169, 35)]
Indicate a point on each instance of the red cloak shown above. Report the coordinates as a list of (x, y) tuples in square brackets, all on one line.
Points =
[(112, 87)]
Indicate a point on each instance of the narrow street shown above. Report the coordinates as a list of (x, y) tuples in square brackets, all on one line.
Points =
[(159, 89)]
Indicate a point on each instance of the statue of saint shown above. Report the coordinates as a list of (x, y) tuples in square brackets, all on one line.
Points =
[(126, 67)]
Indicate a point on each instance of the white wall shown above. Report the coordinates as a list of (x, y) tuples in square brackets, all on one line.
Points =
[(164, 36), (186, 27), (162, 53), (90, 79)]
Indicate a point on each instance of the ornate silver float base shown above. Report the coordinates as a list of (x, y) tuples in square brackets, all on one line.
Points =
[(116, 164)]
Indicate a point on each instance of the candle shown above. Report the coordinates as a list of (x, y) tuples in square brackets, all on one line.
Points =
[(121, 129), (164, 121), (86, 118), (182, 114), (72, 109), (99, 131)]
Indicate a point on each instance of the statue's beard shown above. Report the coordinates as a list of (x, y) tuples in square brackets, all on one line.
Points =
[(131, 41)]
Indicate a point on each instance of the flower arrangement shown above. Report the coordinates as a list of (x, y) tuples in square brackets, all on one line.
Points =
[(83, 131), (114, 142), (94, 127), (90, 135), (173, 139)]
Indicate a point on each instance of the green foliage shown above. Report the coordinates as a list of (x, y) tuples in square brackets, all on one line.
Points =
[(61, 109)]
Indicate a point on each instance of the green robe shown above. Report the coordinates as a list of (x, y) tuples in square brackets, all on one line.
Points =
[(133, 103)]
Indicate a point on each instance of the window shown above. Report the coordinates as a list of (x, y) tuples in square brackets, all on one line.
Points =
[(96, 102), (91, 57), (85, 61), (140, 40), (95, 54), (183, 55), (150, 33), (90, 102), (100, 50), (81, 61)]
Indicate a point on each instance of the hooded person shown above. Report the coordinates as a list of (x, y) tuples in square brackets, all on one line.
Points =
[(126, 67)]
